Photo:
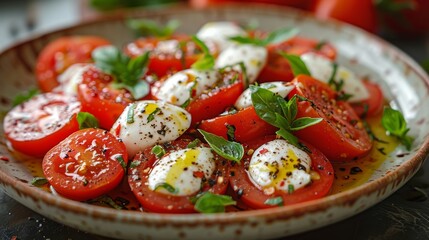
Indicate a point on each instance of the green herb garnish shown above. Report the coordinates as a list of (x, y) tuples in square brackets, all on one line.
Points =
[(25, 97), (151, 116), (194, 143), (167, 187), (158, 150), (213, 203), (130, 113), (277, 201), (39, 181), (121, 161), (135, 163), (394, 122), (87, 120), (290, 189), (206, 61), (230, 132), (298, 66), (146, 27), (229, 150), (277, 36)]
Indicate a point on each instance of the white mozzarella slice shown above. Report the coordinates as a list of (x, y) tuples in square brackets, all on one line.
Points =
[(71, 77), (145, 123), (322, 69), (178, 87), (279, 165), (219, 33), (280, 88), (253, 57), (178, 168)]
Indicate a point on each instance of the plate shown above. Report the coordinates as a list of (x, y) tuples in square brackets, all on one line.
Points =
[(402, 80)]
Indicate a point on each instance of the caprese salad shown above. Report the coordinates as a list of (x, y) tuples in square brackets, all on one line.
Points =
[(226, 118)]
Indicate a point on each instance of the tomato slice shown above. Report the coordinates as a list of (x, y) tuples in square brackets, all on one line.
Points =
[(341, 136), (60, 54), (176, 53), (101, 100), (40, 123), (248, 125), (154, 201), (255, 198), (85, 165), (215, 101), (278, 68), (372, 106)]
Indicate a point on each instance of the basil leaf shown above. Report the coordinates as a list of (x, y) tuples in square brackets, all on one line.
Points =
[(229, 150), (158, 151), (121, 161), (304, 122), (292, 108), (277, 36), (25, 97), (282, 122), (213, 203), (194, 143), (206, 61), (130, 113), (39, 181), (265, 104), (394, 122), (298, 66), (277, 201), (290, 189), (146, 27), (87, 120), (230, 132), (247, 40), (167, 187), (288, 136), (151, 116)]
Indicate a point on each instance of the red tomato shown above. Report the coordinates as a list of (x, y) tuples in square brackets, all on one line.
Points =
[(278, 68), (60, 54), (154, 201), (252, 196), (167, 55), (101, 100), (293, 3), (372, 106), (39, 124), (341, 135), (360, 13), (247, 124), (85, 165)]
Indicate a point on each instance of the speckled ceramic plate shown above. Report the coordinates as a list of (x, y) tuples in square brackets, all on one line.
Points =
[(403, 82)]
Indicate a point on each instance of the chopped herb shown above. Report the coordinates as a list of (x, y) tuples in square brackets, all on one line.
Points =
[(135, 163), (167, 187), (121, 161), (298, 66), (213, 203), (230, 132), (342, 96), (186, 103), (151, 116), (394, 122), (130, 113), (39, 181), (194, 143), (277, 36), (206, 61), (229, 150), (319, 45), (146, 27), (25, 97), (290, 189), (336, 85), (277, 201), (158, 150), (242, 68), (87, 120)]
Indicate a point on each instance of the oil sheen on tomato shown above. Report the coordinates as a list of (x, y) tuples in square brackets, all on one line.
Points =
[(352, 174)]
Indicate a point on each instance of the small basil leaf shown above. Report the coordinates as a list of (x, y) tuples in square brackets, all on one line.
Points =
[(146, 27), (135, 163), (121, 161), (290, 189), (277, 201), (265, 104), (206, 61), (167, 187), (282, 122), (194, 143), (130, 113), (158, 151), (25, 97), (288, 136), (280, 35), (229, 150), (292, 107), (247, 40), (39, 181), (213, 203), (304, 122), (298, 66), (394, 122), (87, 120)]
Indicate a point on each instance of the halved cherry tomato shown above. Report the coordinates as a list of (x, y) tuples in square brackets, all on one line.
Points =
[(278, 68), (85, 165), (154, 201), (60, 54), (341, 135), (252, 196), (101, 100), (360, 13), (40, 123), (373, 105), (247, 124), (167, 55)]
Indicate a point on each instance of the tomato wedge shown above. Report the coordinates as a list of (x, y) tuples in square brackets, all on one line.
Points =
[(154, 201), (247, 124), (60, 54), (85, 165), (167, 55), (341, 136), (101, 100), (255, 198), (40, 123), (278, 68), (373, 105)]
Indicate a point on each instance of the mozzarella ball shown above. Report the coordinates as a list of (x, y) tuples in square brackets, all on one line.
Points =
[(219, 33)]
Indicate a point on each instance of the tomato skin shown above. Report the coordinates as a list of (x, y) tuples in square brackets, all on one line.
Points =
[(101, 100), (278, 68), (165, 60), (162, 203), (90, 177), (253, 197), (40, 123), (347, 11), (340, 136), (248, 125), (374, 104), (58, 55)]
